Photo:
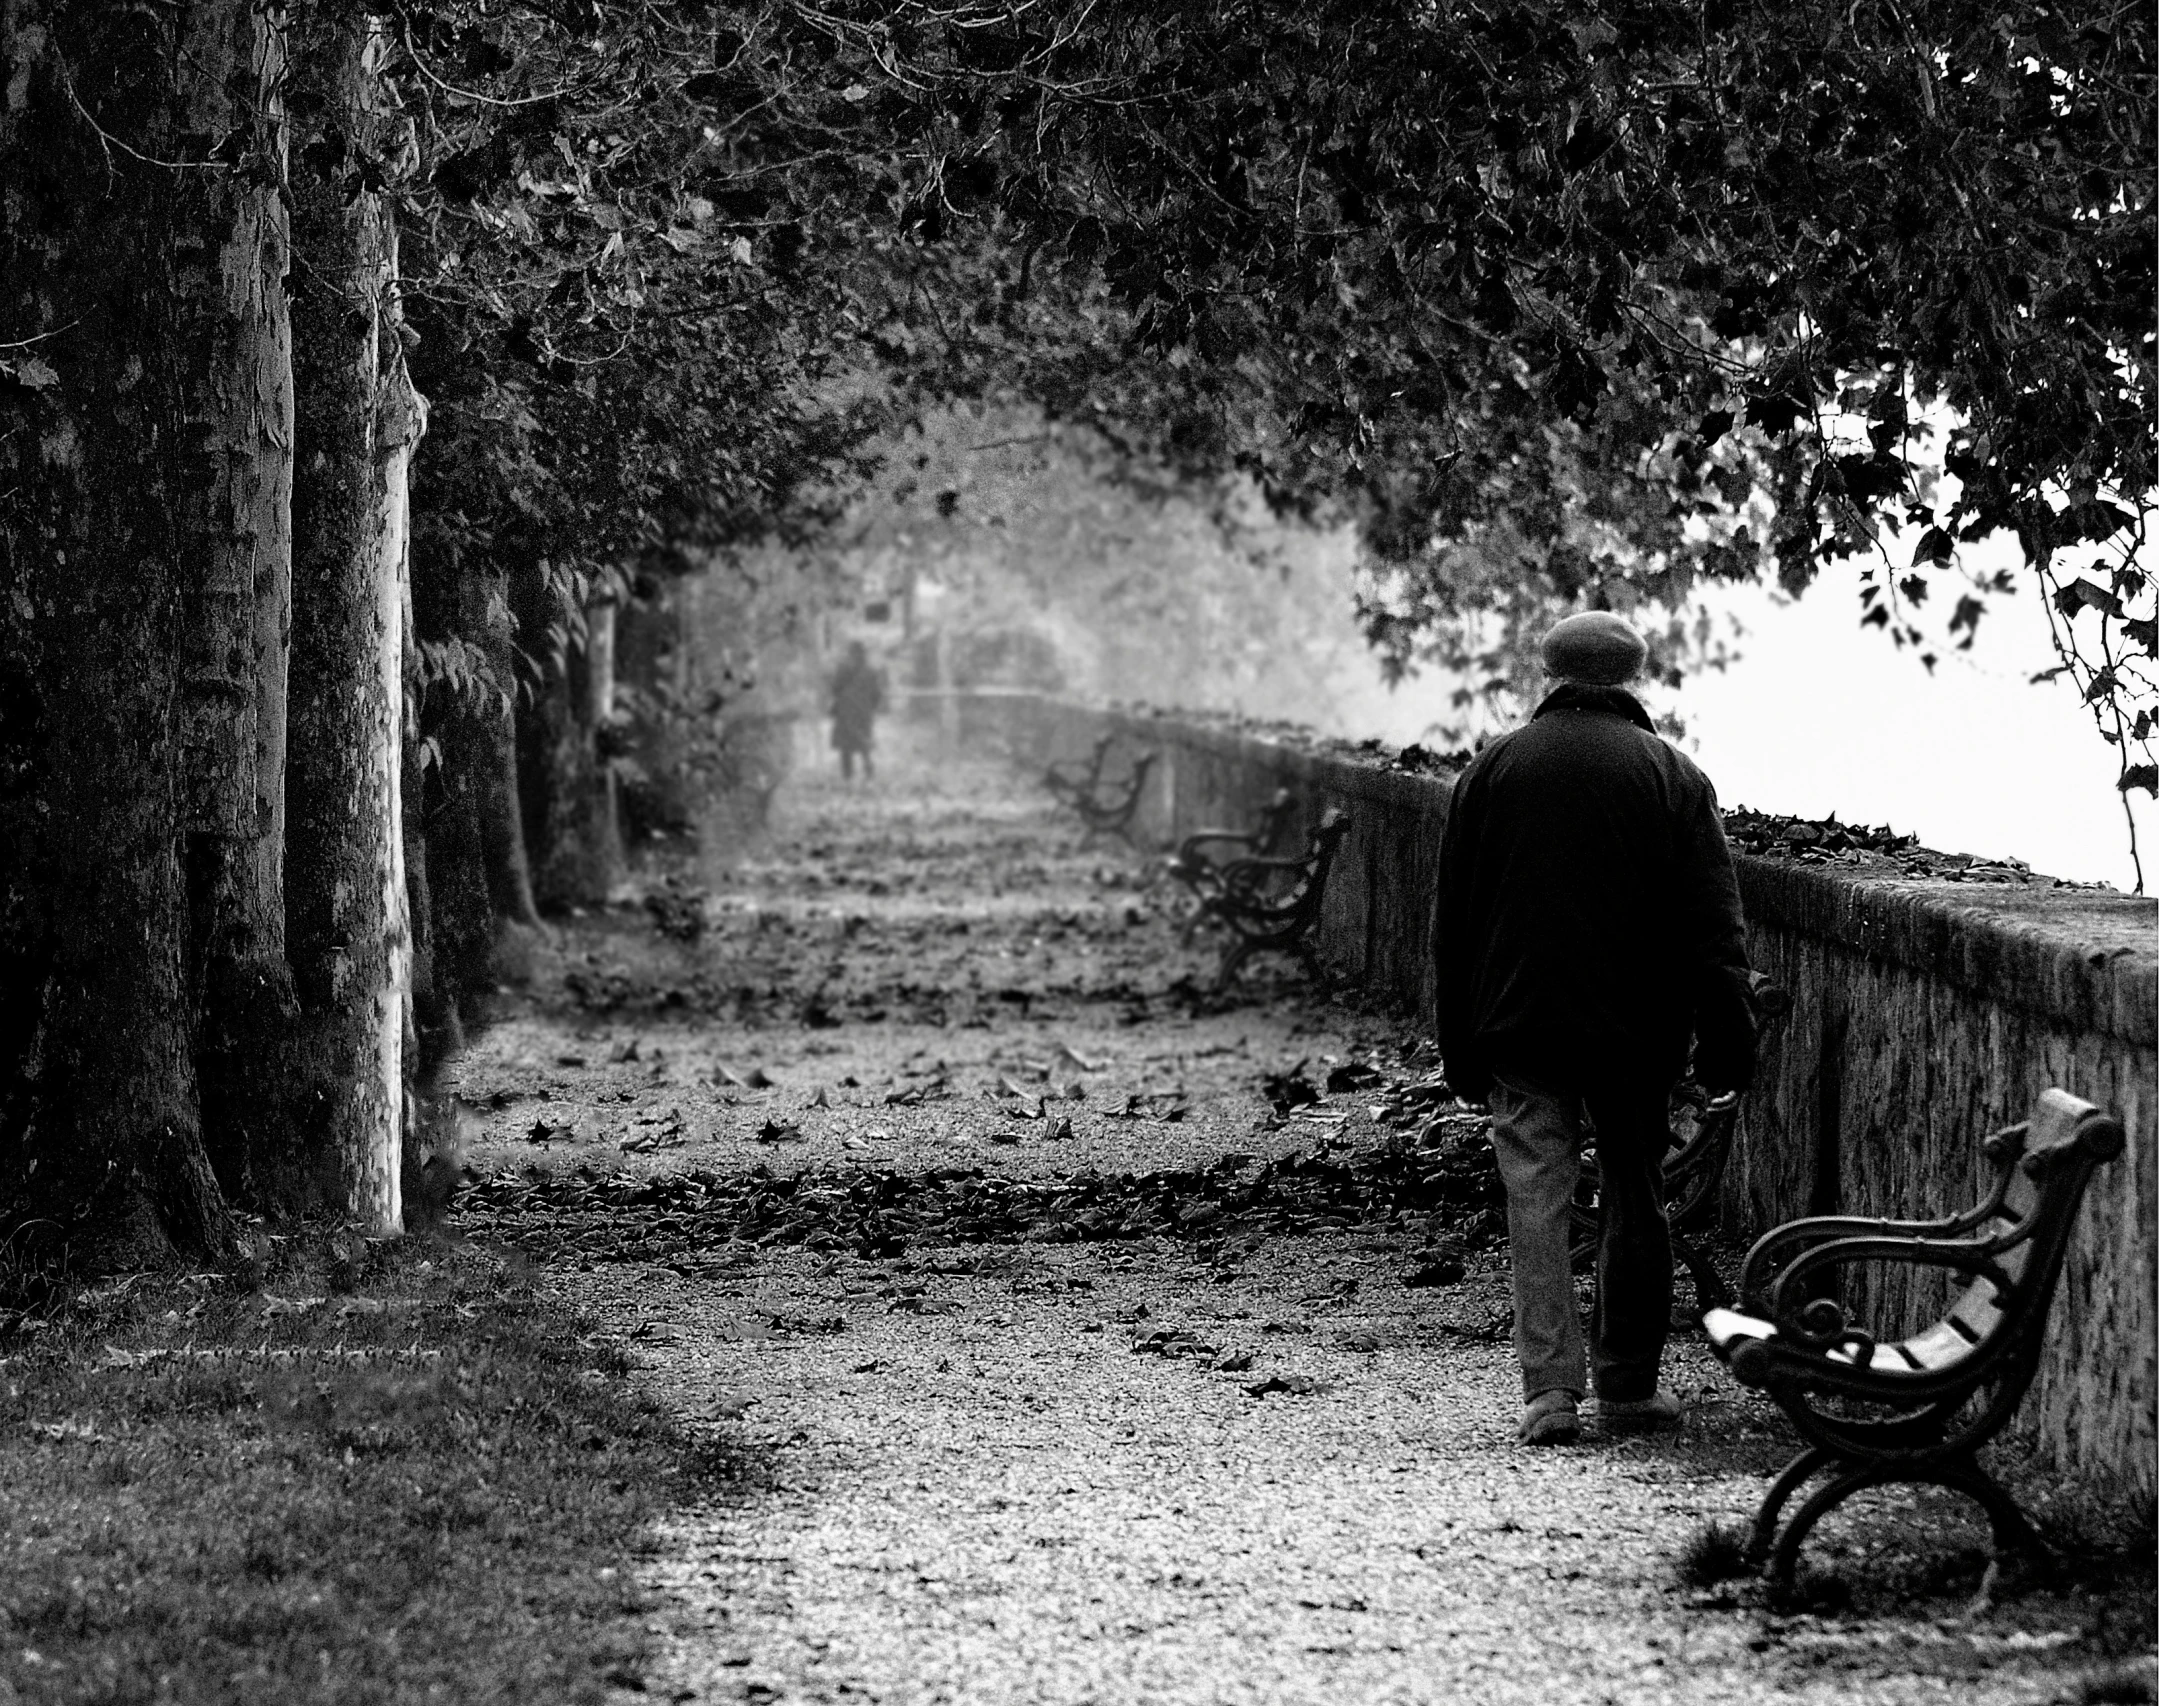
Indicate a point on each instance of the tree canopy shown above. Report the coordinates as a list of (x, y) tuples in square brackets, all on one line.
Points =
[(1614, 296), (1890, 267)]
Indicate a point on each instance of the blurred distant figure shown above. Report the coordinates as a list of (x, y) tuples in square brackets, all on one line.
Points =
[(858, 694)]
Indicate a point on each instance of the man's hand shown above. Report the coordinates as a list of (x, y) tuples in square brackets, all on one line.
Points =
[(1726, 1030)]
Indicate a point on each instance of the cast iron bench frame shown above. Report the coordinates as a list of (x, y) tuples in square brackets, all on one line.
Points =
[(1072, 788), (1200, 871), (1102, 814), (1918, 1410), (1264, 916), (1112, 815), (1693, 1170)]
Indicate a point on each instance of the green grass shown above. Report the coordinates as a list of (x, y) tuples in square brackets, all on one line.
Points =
[(1715, 1552), (427, 1486)]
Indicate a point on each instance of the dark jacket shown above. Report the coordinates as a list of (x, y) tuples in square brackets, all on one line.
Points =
[(858, 694), (1588, 918)]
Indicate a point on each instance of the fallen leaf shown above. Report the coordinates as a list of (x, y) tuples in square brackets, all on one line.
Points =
[(1334, 1292), (1438, 1270), (1296, 1385), (777, 1131), (1352, 1075), (1287, 1090)]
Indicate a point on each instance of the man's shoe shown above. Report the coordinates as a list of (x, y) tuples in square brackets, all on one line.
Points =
[(1550, 1418), (1657, 1414)]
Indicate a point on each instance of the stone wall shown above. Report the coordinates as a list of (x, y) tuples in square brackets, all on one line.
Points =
[(1925, 1014)]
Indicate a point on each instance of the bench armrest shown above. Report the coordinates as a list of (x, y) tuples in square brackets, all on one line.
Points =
[(1808, 1319), (1778, 1246), (1188, 848), (1775, 1251), (1248, 873)]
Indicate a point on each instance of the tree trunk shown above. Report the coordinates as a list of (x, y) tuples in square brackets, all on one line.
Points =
[(347, 926), (494, 755), (230, 252), (142, 248), (582, 860)]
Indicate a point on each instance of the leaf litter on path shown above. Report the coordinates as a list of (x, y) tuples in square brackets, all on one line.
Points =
[(1015, 1478)]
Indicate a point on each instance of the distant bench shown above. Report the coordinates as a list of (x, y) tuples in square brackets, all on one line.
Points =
[(1273, 904), (1105, 810)]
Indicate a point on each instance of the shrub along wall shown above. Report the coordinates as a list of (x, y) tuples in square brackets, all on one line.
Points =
[(1925, 1014)]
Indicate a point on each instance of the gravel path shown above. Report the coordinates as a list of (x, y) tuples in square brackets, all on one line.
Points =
[(1249, 1467)]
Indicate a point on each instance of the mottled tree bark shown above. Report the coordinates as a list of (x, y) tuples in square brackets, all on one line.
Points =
[(142, 246), (580, 861), (229, 249), (493, 753), (348, 931)]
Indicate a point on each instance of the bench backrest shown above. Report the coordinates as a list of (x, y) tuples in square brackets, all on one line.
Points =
[(1319, 858), (2049, 1160)]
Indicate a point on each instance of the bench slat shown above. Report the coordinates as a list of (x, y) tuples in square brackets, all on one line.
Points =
[(1937, 1348)]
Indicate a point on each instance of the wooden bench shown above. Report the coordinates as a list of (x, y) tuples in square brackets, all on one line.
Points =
[(1068, 785), (1111, 812), (1197, 864), (1916, 1410), (1271, 905), (1704, 1127)]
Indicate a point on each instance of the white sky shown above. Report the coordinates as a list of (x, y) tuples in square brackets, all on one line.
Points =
[(1821, 715)]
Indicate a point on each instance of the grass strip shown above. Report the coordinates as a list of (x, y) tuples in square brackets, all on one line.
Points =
[(357, 1473)]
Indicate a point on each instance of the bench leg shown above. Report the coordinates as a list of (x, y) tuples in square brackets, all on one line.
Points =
[(1784, 1557), (1234, 953), (1710, 1291), (2013, 1532), (1794, 1476)]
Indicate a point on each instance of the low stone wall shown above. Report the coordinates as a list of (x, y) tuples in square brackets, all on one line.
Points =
[(1925, 1014)]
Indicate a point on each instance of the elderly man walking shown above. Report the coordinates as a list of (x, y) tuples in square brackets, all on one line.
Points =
[(1588, 928)]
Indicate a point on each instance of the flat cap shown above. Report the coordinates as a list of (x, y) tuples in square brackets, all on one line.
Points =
[(1594, 647)]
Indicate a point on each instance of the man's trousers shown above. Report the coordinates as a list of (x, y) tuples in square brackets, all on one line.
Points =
[(1537, 1134)]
